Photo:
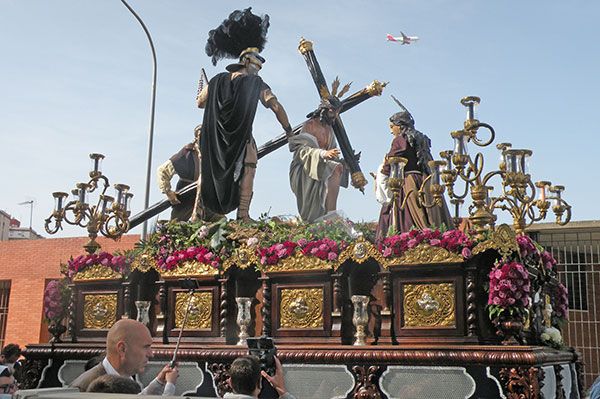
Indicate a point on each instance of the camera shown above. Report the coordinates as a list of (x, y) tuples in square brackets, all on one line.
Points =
[(264, 349)]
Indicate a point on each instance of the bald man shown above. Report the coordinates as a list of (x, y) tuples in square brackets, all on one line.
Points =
[(128, 349)]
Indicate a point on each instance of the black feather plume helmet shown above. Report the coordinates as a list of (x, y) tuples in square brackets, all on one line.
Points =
[(240, 31)]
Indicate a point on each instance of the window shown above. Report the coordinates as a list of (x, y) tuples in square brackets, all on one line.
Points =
[(4, 294)]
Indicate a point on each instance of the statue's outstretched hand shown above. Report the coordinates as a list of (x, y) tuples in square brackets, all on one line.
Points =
[(172, 196), (332, 154)]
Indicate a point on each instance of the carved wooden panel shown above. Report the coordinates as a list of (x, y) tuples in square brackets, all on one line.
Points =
[(301, 307)]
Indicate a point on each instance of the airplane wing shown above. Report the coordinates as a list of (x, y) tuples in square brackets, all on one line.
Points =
[(405, 38)]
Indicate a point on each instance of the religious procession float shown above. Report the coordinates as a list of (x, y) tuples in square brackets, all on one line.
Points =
[(416, 305)]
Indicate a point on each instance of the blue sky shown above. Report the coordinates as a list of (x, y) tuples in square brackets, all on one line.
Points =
[(75, 78)]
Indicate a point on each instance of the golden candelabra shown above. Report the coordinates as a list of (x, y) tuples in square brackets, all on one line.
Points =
[(110, 217), (429, 194), (518, 194)]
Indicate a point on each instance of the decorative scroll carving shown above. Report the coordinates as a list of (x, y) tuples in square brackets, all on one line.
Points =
[(126, 299), (223, 308), (520, 382), (161, 321), (471, 304), (424, 254), (337, 294), (30, 373), (220, 374), (200, 313), (429, 305), (96, 273), (359, 251), (72, 325), (560, 390), (266, 309), (301, 308), (503, 240), (300, 262), (190, 269), (99, 311), (143, 263), (243, 257), (366, 382)]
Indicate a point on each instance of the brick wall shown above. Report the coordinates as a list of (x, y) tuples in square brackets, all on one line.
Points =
[(28, 264)]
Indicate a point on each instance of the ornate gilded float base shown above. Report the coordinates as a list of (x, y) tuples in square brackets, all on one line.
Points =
[(99, 311), (190, 269), (360, 251), (96, 273), (301, 308), (424, 254), (299, 262), (503, 240), (200, 313), (429, 305)]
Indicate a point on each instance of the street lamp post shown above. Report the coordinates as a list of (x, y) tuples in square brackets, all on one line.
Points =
[(152, 108)]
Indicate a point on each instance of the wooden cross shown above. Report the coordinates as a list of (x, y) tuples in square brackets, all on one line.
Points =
[(376, 88)]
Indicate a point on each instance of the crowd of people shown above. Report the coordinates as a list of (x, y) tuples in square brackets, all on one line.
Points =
[(128, 351)]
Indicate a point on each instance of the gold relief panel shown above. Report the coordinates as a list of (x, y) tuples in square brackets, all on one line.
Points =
[(243, 257), (359, 251), (301, 308), (299, 262), (503, 240), (200, 313), (190, 268), (143, 263), (97, 272), (99, 311), (429, 305), (424, 254)]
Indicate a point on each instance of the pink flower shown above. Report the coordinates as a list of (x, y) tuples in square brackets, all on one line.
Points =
[(332, 256), (252, 241), (412, 242), (387, 252), (434, 242)]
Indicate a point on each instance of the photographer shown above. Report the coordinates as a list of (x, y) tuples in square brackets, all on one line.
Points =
[(246, 380)]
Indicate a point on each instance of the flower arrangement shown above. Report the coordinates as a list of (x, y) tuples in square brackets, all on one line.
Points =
[(120, 263), (56, 300), (509, 289), (276, 252), (200, 254), (324, 249), (552, 337), (452, 240), (560, 302)]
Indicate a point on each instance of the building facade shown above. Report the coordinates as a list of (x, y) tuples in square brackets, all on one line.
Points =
[(25, 268), (576, 247)]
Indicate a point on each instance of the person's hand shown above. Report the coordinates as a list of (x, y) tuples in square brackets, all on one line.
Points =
[(162, 374), (172, 196), (172, 375), (334, 153), (276, 381)]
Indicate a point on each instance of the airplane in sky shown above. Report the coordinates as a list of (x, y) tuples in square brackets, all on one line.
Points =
[(402, 39)]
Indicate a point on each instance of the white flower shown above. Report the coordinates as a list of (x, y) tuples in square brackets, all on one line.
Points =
[(252, 241), (203, 232)]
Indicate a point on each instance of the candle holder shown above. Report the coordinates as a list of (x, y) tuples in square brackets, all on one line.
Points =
[(360, 318), (143, 312), (244, 318), (108, 216), (518, 192)]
